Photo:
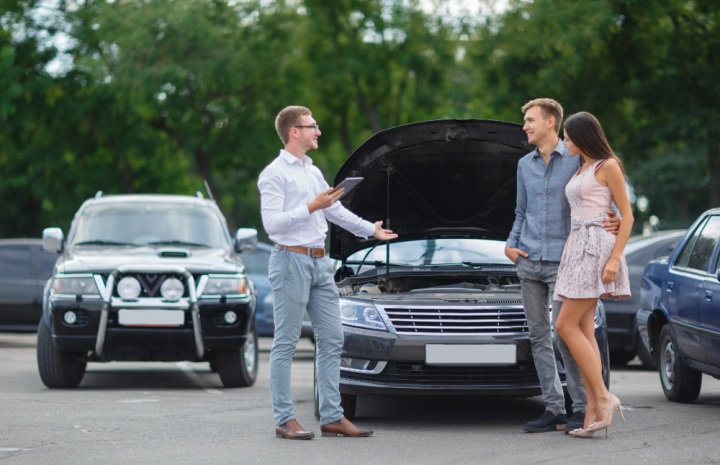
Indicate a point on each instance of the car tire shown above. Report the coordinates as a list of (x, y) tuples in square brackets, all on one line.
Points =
[(348, 402), (213, 366), (58, 368), (643, 354), (316, 389), (679, 382), (620, 358), (239, 367)]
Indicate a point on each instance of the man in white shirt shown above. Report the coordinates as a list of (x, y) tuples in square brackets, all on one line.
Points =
[(296, 204)]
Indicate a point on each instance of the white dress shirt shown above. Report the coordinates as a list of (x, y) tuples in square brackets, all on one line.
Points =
[(287, 186)]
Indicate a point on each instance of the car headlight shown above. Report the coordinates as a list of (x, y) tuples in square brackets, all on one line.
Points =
[(172, 289), (226, 286), (75, 286), (129, 288), (364, 315)]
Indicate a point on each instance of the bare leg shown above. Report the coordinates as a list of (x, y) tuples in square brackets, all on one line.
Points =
[(587, 327), (571, 318)]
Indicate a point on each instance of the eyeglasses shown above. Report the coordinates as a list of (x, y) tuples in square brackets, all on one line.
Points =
[(315, 127)]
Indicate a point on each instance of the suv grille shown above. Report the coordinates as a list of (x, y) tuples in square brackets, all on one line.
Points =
[(457, 320), (409, 373)]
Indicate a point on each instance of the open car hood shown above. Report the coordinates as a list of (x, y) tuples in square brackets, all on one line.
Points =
[(447, 178)]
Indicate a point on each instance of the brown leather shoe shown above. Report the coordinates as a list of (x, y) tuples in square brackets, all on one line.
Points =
[(344, 428), (292, 430)]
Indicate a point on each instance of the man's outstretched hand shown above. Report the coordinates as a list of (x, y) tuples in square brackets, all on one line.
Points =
[(612, 224), (383, 234), (325, 199)]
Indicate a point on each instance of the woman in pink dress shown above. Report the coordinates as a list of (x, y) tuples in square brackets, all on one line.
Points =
[(592, 264)]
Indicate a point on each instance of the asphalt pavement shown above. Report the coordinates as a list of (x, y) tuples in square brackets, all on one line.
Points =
[(178, 413)]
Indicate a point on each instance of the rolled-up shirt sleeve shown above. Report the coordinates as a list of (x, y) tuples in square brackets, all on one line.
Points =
[(272, 202), (341, 216)]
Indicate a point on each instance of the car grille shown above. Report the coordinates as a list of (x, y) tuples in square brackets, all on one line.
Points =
[(409, 373), (458, 320)]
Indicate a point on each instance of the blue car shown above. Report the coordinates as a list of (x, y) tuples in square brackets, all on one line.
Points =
[(679, 319), (256, 263)]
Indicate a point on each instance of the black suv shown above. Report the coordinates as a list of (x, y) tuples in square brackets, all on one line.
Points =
[(148, 278), (438, 311)]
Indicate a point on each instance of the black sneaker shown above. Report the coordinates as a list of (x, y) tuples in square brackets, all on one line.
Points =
[(576, 421), (547, 422)]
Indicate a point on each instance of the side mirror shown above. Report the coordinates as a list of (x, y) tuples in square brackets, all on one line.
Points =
[(246, 240), (53, 240)]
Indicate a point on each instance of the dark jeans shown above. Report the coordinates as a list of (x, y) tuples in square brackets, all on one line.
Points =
[(538, 283)]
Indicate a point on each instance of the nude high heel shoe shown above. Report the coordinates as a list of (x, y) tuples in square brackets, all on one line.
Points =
[(614, 405), (581, 433)]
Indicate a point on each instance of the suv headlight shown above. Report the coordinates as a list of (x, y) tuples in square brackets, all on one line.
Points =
[(361, 314), (75, 286), (226, 286)]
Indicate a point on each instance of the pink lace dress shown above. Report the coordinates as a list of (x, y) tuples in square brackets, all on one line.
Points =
[(589, 246)]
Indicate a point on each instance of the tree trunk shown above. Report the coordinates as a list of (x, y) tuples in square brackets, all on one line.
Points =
[(713, 142)]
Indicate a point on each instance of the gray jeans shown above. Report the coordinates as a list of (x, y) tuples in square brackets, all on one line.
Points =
[(537, 279), (301, 283)]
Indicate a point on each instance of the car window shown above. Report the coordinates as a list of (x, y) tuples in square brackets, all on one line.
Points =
[(47, 263), (705, 245), (256, 262), (684, 256), (160, 223), (15, 262)]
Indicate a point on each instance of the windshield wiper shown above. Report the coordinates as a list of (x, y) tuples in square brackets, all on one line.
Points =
[(99, 242), (189, 244), (376, 263), (487, 264)]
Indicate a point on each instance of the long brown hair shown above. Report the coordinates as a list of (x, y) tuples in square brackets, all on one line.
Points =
[(584, 130)]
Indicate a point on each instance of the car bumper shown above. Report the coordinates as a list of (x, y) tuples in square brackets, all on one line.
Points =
[(149, 343), (407, 373)]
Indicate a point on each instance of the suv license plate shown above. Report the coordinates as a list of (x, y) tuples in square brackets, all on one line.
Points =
[(470, 354), (151, 317)]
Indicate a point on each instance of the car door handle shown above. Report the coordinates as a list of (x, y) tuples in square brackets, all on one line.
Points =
[(669, 287), (708, 296)]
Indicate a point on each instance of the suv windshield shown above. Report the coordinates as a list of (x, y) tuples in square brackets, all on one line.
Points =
[(151, 223), (436, 252)]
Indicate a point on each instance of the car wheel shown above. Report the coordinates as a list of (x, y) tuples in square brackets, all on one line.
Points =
[(58, 368), (239, 367), (213, 366), (316, 389), (643, 354), (680, 383), (348, 402), (620, 358), (568, 404)]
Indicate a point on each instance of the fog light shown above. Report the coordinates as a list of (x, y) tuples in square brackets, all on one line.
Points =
[(354, 363), (128, 288), (230, 317), (172, 289), (70, 317)]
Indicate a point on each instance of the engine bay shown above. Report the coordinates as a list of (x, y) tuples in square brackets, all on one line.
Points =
[(398, 284)]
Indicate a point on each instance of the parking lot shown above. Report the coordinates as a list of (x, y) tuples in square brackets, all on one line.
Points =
[(180, 413)]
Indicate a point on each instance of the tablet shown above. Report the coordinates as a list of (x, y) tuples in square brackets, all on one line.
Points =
[(349, 184)]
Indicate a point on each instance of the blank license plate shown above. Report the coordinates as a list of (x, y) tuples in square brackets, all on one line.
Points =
[(151, 317), (470, 354)]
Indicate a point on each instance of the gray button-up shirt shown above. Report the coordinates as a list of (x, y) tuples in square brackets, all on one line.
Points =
[(542, 214)]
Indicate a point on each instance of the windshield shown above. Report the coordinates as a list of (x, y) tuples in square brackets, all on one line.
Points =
[(152, 223), (435, 252)]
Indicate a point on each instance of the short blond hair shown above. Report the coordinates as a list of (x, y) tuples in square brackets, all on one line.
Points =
[(287, 119), (548, 108)]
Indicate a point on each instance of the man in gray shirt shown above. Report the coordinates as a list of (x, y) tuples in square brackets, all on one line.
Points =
[(536, 243)]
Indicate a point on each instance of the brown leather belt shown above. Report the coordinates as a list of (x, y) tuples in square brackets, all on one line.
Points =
[(303, 250)]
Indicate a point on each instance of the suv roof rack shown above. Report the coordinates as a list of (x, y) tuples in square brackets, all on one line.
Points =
[(98, 194), (199, 195)]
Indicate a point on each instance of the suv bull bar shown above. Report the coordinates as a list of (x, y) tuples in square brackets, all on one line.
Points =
[(192, 302)]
